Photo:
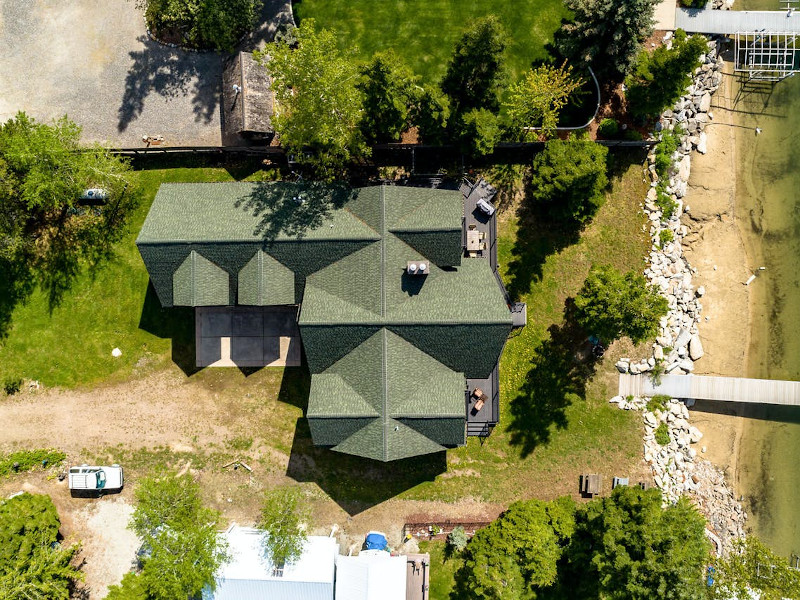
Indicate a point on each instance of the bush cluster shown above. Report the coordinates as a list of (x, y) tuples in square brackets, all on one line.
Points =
[(662, 434), (25, 460)]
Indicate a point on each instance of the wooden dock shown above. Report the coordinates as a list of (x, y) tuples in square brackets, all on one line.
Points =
[(728, 22), (706, 387)]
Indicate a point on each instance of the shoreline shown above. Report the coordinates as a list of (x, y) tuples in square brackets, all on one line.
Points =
[(718, 248)]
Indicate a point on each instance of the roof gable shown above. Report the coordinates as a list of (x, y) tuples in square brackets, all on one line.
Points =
[(199, 282), (264, 281)]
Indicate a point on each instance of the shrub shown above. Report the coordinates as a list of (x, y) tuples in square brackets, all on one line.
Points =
[(569, 177), (479, 132), (457, 539), (665, 236), (12, 385), (216, 24), (662, 434), (608, 128), (660, 77), (632, 135), (669, 143), (658, 402), (612, 304), (25, 460), (665, 202)]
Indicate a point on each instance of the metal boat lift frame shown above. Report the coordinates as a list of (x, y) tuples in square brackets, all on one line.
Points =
[(766, 55)]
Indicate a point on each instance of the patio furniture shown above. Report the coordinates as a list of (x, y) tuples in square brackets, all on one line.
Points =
[(479, 404), (591, 484), (473, 240), (477, 393), (485, 206)]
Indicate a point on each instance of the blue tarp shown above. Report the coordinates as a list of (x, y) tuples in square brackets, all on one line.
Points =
[(376, 541)]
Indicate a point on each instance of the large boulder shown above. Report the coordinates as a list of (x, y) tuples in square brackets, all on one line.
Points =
[(696, 351)]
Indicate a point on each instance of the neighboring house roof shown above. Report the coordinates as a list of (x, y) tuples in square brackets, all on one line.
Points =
[(372, 575), (388, 351), (249, 575)]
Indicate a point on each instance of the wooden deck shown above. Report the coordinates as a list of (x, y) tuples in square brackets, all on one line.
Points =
[(705, 387)]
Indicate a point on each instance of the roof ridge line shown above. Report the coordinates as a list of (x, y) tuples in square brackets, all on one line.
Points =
[(385, 394)]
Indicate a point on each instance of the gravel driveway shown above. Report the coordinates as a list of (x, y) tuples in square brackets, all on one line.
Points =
[(92, 60)]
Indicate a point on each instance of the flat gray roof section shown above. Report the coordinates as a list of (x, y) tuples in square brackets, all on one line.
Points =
[(728, 22)]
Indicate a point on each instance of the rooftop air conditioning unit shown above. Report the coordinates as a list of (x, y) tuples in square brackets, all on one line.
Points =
[(418, 267)]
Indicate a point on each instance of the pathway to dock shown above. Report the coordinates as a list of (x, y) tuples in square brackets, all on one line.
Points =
[(728, 22), (705, 387)]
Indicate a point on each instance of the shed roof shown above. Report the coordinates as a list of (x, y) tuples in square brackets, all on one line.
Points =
[(372, 575), (249, 574)]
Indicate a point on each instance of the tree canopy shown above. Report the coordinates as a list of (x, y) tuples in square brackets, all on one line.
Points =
[(283, 518), (319, 103), (33, 565), (537, 99), (627, 547), (214, 24), (605, 34), (390, 88), (479, 132), (569, 178), (46, 231), (752, 566), (611, 304), (182, 550), (476, 72), (517, 555), (661, 76)]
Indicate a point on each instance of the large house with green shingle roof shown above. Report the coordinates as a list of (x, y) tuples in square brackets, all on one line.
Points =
[(390, 352)]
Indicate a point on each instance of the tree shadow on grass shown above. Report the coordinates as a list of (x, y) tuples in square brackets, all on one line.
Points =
[(176, 323), (16, 285), (538, 236), (559, 370), (171, 73)]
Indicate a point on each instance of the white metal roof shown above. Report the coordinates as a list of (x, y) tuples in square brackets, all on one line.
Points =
[(372, 575)]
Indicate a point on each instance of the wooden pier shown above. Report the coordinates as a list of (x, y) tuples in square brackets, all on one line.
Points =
[(706, 387)]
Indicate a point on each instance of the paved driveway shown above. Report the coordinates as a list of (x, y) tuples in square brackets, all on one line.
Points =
[(92, 60)]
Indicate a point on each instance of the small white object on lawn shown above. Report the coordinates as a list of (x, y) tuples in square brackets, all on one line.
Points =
[(116, 353)]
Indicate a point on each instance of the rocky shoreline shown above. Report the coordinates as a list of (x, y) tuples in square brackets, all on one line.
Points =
[(675, 465)]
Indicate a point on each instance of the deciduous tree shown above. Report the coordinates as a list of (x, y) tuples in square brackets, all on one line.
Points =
[(569, 178), (753, 567), (283, 519), (611, 305), (606, 34), (537, 99), (476, 72), (479, 132), (46, 230), (517, 555), (318, 102), (627, 547), (182, 549)]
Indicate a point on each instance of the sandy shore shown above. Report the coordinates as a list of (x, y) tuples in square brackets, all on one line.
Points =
[(716, 248)]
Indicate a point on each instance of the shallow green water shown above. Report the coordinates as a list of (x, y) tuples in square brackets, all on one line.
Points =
[(768, 209)]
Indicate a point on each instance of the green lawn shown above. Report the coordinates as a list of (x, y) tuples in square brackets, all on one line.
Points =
[(72, 344), (424, 32), (555, 418), (443, 569)]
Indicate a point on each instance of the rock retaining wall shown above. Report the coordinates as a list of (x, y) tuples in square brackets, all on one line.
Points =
[(676, 468)]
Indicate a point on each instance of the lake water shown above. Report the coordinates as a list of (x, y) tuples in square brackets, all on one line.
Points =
[(768, 209)]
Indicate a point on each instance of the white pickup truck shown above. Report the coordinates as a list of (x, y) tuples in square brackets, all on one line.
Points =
[(99, 479)]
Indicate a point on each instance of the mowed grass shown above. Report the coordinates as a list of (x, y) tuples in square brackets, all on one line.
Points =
[(71, 345), (555, 418), (443, 569), (424, 32)]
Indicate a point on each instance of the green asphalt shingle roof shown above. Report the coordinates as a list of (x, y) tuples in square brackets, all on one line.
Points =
[(250, 212), (265, 282), (199, 282), (388, 352), (375, 386)]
